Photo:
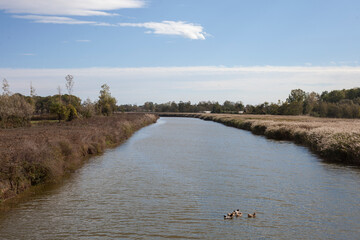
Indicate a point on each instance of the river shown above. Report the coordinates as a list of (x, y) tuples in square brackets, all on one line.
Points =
[(178, 177)]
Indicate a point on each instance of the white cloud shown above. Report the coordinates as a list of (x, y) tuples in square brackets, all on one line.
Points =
[(61, 20), (68, 7), (53, 11), (53, 19), (160, 84), (187, 30), (28, 54)]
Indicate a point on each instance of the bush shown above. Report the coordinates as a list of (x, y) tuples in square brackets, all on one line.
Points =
[(87, 109), (14, 111), (60, 110), (72, 113)]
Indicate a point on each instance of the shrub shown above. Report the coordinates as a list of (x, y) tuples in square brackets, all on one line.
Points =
[(87, 109), (60, 110), (14, 111), (72, 113)]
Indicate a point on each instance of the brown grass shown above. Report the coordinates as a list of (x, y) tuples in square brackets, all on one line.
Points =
[(333, 139), (29, 156)]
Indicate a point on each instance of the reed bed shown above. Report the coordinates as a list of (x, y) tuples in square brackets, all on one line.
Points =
[(335, 140), (45, 152)]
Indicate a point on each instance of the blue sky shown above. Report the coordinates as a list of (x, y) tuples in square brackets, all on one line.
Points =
[(162, 50)]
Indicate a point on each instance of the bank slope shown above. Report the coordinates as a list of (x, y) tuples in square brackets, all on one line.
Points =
[(29, 156)]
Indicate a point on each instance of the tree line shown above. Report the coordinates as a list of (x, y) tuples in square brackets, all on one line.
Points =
[(17, 110), (337, 104), (214, 107)]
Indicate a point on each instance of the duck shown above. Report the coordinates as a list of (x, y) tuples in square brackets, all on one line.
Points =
[(229, 216), (252, 215), (238, 213)]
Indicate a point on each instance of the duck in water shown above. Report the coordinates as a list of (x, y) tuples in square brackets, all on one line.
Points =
[(237, 213), (229, 216), (252, 215)]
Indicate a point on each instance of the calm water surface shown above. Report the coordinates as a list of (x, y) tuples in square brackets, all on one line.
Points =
[(178, 177)]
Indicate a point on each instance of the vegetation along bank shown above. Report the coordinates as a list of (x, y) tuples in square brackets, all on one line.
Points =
[(335, 140), (44, 153)]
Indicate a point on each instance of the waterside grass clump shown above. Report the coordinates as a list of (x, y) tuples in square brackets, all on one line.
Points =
[(45, 152), (336, 140)]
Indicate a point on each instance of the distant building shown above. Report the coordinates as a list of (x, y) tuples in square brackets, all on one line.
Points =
[(207, 112), (241, 112)]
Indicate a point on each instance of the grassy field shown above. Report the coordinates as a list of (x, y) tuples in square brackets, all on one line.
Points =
[(333, 139), (46, 151)]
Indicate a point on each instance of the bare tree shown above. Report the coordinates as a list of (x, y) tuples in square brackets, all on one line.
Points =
[(59, 92), (69, 84), (6, 88), (32, 90)]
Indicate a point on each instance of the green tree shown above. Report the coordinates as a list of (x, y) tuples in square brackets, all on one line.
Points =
[(60, 110), (239, 106), (106, 103), (294, 108), (149, 106), (310, 101), (295, 102), (296, 95), (216, 108), (72, 113), (336, 96), (352, 93), (273, 109)]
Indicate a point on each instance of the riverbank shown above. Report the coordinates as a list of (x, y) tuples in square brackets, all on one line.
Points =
[(336, 140), (44, 153)]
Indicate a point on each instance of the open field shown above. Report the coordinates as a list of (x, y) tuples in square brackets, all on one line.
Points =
[(333, 139), (45, 152)]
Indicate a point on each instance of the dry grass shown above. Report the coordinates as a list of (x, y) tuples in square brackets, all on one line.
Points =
[(333, 139), (29, 156)]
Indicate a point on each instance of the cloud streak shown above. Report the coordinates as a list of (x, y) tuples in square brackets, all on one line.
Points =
[(66, 7), (180, 28), (62, 20), (58, 12), (161, 84), (187, 30), (53, 19)]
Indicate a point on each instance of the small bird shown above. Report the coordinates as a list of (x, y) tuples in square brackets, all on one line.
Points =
[(238, 213), (252, 215), (227, 216)]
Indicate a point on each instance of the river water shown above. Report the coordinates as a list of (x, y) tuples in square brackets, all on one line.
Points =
[(178, 177)]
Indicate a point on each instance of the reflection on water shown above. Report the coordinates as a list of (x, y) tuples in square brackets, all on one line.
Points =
[(177, 178)]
